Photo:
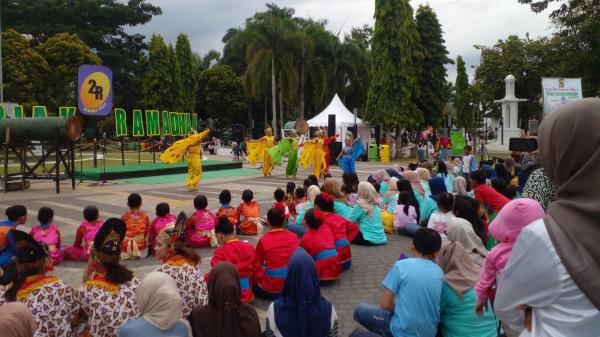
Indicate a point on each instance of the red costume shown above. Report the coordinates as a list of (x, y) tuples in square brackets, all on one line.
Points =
[(242, 255), (343, 232), (320, 245), (273, 252), (248, 214), (326, 143)]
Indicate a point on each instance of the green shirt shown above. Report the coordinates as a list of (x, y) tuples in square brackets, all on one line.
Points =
[(459, 319), (370, 227), (342, 209)]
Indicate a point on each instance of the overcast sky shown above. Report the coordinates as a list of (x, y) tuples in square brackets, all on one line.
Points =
[(465, 22)]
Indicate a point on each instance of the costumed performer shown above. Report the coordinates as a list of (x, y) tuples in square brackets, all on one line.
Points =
[(313, 153), (276, 152), (258, 151), (292, 164), (353, 149), (192, 146), (326, 142)]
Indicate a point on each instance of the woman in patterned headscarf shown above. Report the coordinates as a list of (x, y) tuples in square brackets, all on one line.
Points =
[(107, 297), (51, 301)]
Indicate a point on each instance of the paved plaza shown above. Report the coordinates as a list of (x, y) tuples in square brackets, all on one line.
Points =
[(360, 284)]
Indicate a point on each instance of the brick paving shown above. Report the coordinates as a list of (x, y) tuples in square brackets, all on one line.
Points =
[(360, 284)]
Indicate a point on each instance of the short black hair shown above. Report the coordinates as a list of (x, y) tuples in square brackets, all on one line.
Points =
[(290, 187), (200, 202), (324, 205), (14, 212), (311, 220), (413, 166), (307, 183), (275, 217), (224, 226), (225, 197), (427, 241), (300, 193), (468, 148), (313, 180), (445, 202), (279, 195), (91, 213), (499, 184), (134, 200), (45, 215), (162, 209), (478, 176), (377, 187), (247, 195), (510, 191)]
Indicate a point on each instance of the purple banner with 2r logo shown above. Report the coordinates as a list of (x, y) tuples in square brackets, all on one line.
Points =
[(94, 90)]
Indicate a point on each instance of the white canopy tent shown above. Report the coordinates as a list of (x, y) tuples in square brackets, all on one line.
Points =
[(343, 120)]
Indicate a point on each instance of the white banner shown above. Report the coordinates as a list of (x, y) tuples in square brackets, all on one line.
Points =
[(560, 91)]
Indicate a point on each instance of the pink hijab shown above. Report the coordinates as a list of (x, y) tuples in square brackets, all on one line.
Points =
[(414, 180)]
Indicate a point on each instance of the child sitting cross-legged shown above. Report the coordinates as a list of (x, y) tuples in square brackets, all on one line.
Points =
[(48, 233), (227, 210), (318, 241), (279, 196), (163, 217), (248, 214), (438, 221), (84, 238), (135, 244), (200, 226)]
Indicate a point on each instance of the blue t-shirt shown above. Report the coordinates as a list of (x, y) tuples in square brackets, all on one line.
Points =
[(141, 327), (417, 284)]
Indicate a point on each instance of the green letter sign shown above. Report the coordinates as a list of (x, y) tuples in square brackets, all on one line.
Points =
[(121, 122)]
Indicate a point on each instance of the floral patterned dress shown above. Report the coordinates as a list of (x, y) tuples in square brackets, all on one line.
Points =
[(52, 303), (108, 305), (190, 282)]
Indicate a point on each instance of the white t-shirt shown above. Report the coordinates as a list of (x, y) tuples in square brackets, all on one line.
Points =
[(438, 221), (467, 163)]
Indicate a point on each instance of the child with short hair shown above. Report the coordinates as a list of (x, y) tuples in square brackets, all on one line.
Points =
[(227, 210), (16, 215), (248, 215), (84, 237), (404, 213), (506, 227), (279, 196), (273, 251), (200, 231), (439, 219), (163, 218), (290, 199), (48, 233), (318, 241), (135, 244), (240, 253), (299, 199), (468, 163)]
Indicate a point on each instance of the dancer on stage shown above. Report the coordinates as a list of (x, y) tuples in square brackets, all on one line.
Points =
[(326, 142), (353, 149), (258, 151), (190, 145), (292, 165), (313, 153)]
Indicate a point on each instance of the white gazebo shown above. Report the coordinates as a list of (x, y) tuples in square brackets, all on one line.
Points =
[(343, 120)]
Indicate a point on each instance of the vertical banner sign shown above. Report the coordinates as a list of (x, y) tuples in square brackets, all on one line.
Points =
[(95, 90), (560, 91)]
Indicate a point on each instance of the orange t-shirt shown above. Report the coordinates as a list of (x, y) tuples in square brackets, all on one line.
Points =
[(248, 214), (228, 212), (138, 224)]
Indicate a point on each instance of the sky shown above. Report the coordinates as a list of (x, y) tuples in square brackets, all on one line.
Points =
[(465, 22)]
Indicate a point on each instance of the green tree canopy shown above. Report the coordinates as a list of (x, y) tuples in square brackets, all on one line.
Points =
[(432, 74), (183, 53), (393, 89), (464, 116), (24, 70), (221, 96), (160, 77), (65, 53)]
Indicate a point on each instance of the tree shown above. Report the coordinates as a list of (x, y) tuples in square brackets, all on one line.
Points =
[(183, 53), (103, 25), (464, 117), (221, 96), (432, 74), (24, 70), (65, 53), (393, 89), (159, 80)]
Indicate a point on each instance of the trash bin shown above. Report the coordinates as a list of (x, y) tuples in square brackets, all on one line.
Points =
[(385, 153), (373, 155)]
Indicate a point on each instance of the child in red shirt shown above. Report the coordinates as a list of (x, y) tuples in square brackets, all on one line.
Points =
[(273, 252), (280, 203), (318, 241), (227, 210), (240, 253), (343, 230), (487, 194), (290, 198)]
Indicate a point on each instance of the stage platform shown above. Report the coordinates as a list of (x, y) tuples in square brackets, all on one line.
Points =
[(148, 170)]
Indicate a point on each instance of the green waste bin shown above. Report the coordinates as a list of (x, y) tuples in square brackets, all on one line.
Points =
[(373, 153)]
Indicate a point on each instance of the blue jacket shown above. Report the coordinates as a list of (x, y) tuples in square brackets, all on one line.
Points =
[(8, 251)]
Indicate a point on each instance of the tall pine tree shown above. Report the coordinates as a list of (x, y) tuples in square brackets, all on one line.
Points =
[(159, 79), (464, 116), (183, 53), (393, 90), (432, 73)]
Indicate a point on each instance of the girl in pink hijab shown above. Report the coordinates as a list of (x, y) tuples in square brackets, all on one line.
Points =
[(506, 227)]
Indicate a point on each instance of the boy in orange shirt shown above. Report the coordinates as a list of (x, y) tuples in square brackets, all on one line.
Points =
[(227, 210), (248, 215), (135, 244)]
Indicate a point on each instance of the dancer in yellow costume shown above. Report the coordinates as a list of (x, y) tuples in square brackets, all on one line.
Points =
[(258, 151), (192, 146), (314, 154)]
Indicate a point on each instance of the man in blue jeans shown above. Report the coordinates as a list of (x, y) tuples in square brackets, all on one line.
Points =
[(412, 290)]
